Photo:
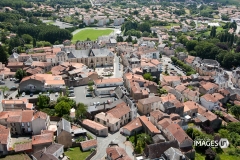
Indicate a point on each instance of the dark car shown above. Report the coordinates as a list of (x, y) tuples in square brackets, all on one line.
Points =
[(31, 94), (89, 95), (13, 88)]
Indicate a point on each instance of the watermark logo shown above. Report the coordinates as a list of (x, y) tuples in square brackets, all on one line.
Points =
[(222, 143)]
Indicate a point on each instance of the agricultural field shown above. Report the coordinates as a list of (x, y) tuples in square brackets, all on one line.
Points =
[(90, 33)]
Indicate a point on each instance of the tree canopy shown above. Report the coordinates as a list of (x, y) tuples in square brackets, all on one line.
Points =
[(62, 108), (20, 74)]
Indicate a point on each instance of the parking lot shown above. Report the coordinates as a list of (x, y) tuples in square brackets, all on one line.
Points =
[(80, 96), (172, 69)]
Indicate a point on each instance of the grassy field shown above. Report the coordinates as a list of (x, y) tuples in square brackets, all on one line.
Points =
[(93, 34), (76, 154)]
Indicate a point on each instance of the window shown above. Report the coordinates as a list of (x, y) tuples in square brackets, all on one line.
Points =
[(98, 120), (28, 124), (22, 124), (104, 122), (117, 124)]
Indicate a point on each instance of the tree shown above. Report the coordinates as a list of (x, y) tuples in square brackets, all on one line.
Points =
[(191, 44), (70, 101), (3, 55), (43, 101), (210, 154), (234, 127), (34, 42), (62, 108), (4, 89), (148, 76), (81, 110), (129, 39), (223, 133), (27, 38), (20, 74), (235, 110), (135, 138)]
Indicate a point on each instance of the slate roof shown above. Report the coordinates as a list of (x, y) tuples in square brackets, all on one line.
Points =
[(157, 149), (173, 153)]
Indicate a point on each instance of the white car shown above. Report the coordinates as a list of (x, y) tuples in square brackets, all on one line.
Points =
[(56, 94), (94, 103), (23, 94), (98, 103)]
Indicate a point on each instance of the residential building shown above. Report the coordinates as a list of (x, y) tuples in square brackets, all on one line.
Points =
[(147, 105), (114, 118), (156, 116), (42, 82), (207, 87), (207, 118), (236, 77), (16, 104), (95, 127), (42, 141), (156, 150), (109, 82), (64, 135), (172, 81), (221, 80), (54, 152), (190, 108), (5, 139), (174, 154), (134, 126), (115, 152), (108, 120), (148, 127), (89, 144), (175, 132), (25, 121), (210, 102), (191, 95)]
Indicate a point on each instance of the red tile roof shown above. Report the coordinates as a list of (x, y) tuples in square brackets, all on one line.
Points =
[(23, 146), (120, 110), (149, 124), (116, 152), (89, 144), (93, 124), (178, 132), (4, 134), (43, 138), (134, 124)]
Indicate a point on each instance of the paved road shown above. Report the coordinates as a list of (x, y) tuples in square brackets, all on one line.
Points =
[(104, 142), (118, 68)]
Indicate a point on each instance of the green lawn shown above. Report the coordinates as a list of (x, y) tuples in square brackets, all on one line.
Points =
[(199, 156), (76, 154), (93, 34)]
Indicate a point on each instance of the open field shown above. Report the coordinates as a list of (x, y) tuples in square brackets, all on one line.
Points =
[(91, 33), (76, 153)]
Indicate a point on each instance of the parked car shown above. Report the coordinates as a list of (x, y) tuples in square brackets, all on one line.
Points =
[(48, 94), (40, 93), (11, 79), (31, 94), (71, 91), (2, 82), (23, 94), (56, 94), (13, 88), (98, 103), (94, 103), (88, 95), (71, 95), (71, 88)]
